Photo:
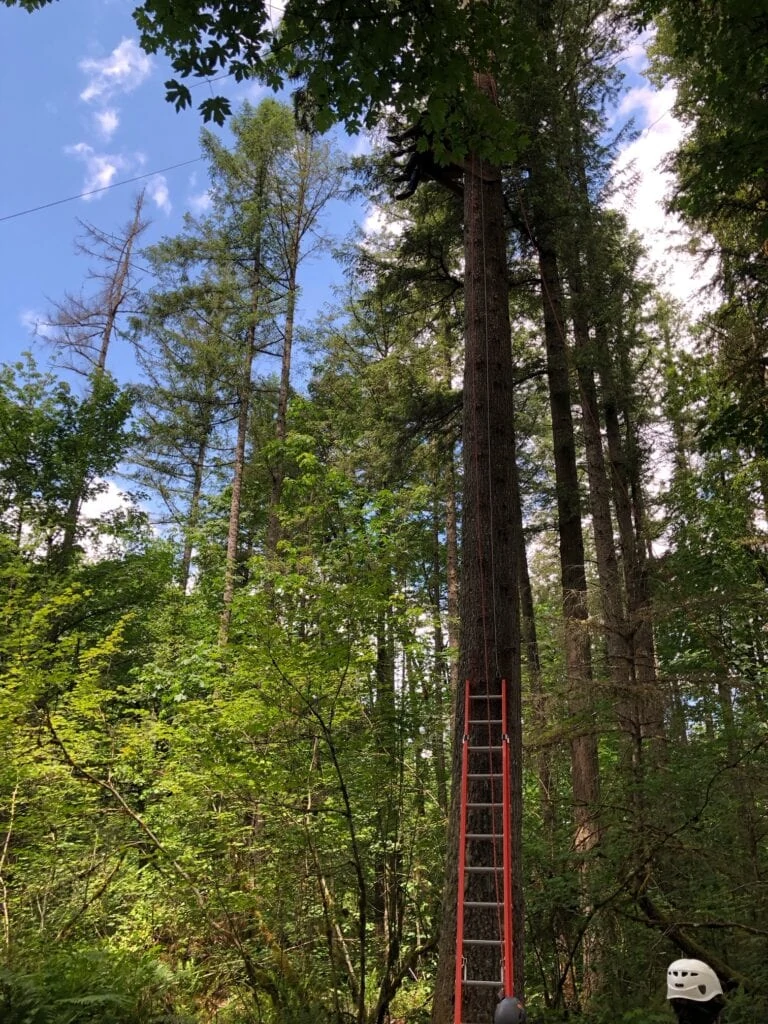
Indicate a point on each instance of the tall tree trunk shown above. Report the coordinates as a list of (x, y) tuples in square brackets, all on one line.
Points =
[(438, 674), (386, 732), (624, 461), (585, 781), (616, 627), (310, 180), (244, 398), (452, 576), (451, 540), (489, 619), (530, 646), (115, 293), (281, 417)]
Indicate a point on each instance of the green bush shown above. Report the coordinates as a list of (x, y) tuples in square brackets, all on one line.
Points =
[(90, 986)]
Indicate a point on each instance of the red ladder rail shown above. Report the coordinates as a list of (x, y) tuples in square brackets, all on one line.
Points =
[(459, 977), (508, 968)]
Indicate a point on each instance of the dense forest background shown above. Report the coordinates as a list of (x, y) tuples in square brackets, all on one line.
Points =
[(225, 738)]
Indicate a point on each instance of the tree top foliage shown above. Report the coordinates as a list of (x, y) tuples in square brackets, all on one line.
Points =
[(351, 63), (715, 53)]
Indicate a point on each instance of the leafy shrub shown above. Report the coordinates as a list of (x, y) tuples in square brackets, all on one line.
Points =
[(90, 986)]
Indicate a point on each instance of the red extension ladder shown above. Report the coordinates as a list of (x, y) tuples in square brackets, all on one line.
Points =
[(485, 777)]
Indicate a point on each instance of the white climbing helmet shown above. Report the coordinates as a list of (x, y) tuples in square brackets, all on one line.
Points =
[(692, 979)]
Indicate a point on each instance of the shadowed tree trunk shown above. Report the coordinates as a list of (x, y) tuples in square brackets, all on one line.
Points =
[(615, 626), (244, 398), (578, 663), (489, 619), (627, 488)]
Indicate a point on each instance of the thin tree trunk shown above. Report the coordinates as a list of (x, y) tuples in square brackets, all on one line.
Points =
[(616, 627), (630, 518), (438, 674), (316, 182), (116, 291), (452, 576), (744, 798), (281, 418), (245, 395), (451, 543), (193, 513), (530, 646), (386, 733), (584, 765)]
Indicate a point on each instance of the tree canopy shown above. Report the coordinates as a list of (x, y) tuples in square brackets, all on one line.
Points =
[(231, 713)]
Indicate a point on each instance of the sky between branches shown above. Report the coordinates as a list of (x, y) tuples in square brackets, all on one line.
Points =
[(89, 111)]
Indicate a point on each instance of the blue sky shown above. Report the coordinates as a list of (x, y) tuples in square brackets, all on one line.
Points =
[(84, 107)]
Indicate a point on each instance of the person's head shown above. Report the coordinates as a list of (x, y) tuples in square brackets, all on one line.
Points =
[(694, 992)]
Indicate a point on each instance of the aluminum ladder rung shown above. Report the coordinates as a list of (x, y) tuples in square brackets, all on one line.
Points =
[(485, 721), (485, 696), (484, 775), (484, 747), (483, 835), (496, 803), (476, 983), (481, 903), (478, 869), (482, 942)]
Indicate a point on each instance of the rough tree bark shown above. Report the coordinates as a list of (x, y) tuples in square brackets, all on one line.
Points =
[(585, 783), (489, 604)]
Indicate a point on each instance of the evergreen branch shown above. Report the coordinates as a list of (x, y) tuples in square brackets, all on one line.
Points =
[(714, 925)]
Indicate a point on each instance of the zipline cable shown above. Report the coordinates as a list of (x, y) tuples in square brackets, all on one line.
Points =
[(95, 191)]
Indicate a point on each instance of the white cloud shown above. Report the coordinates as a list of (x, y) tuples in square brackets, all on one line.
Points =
[(381, 221), (100, 168), (35, 323), (653, 106), (357, 145), (200, 203), (122, 71), (635, 56), (643, 185), (107, 500), (275, 11), (107, 121), (157, 190), (105, 506)]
